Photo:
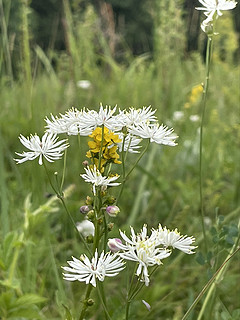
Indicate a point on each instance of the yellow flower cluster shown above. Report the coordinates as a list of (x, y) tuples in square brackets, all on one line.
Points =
[(194, 96), (101, 143)]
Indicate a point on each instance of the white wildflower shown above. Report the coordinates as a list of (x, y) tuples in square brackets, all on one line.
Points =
[(144, 250), (174, 239), (210, 7), (84, 84), (86, 228), (154, 132), (49, 148), (95, 177), (88, 271)]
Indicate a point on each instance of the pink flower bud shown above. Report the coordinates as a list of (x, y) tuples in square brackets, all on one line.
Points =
[(84, 209), (113, 244), (112, 211)]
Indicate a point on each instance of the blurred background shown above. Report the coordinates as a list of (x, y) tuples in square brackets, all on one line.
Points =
[(56, 54)]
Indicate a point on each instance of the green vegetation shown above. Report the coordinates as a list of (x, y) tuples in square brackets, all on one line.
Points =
[(36, 235)]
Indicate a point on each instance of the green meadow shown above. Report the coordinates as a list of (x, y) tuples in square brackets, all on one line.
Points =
[(36, 234)]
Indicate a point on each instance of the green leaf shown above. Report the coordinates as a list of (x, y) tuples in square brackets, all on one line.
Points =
[(29, 299), (200, 258)]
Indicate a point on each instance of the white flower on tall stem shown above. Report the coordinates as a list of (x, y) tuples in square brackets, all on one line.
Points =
[(154, 132), (88, 271), (174, 239), (210, 7), (49, 148), (95, 177), (144, 250)]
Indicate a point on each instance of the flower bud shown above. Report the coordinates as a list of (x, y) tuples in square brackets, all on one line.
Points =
[(110, 200), (90, 215), (89, 201), (112, 211), (86, 228), (110, 226), (85, 163), (89, 239), (113, 244), (84, 209), (90, 302)]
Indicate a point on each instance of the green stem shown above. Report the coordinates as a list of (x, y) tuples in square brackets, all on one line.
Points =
[(135, 164), (64, 170), (85, 302), (205, 91), (61, 198), (128, 294), (102, 298), (217, 275)]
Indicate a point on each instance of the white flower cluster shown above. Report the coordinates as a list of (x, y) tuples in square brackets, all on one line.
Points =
[(131, 125), (139, 124), (146, 250), (150, 250), (212, 7)]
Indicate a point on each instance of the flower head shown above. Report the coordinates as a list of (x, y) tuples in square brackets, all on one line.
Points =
[(210, 7), (174, 239), (154, 132), (95, 177), (143, 249), (88, 271), (49, 148), (86, 228)]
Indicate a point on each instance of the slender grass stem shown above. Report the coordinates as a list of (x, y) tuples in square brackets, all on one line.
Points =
[(204, 101), (217, 275)]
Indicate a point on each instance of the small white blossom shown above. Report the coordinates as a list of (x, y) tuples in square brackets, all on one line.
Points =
[(131, 143), (48, 147), (95, 177), (174, 239), (154, 132), (178, 115), (56, 125), (84, 84), (104, 117), (88, 271), (194, 118), (137, 116), (144, 250), (86, 228), (72, 123), (210, 7)]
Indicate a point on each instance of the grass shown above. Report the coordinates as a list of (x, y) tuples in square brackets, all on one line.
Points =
[(37, 237)]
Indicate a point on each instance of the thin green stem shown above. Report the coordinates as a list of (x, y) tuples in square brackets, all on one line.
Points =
[(85, 302), (216, 276), (101, 150), (102, 297), (205, 91), (64, 170), (61, 198), (135, 164), (129, 292)]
